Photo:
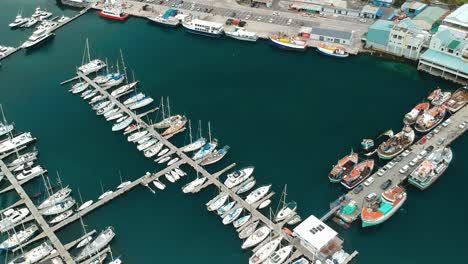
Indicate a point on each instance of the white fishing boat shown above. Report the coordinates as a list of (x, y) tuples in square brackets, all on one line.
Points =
[(161, 186), (237, 177), (37, 170), (265, 251), (59, 218), (123, 89), (216, 204), (193, 184), (125, 123), (34, 255), (257, 194), (264, 204), (247, 186), (134, 98), (248, 230), (232, 215), (241, 221), (242, 34), (137, 136), (256, 237), (141, 103), (124, 184), (27, 157), (59, 207), (101, 241), (225, 208), (11, 217), (105, 194), (153, 150), (147, 144), (57, 197), (84, 242), (16, 142), (172, 161), (163, 160), (280, 256), (19, 238)]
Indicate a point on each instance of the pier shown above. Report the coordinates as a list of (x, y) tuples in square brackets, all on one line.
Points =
[(446, 135)]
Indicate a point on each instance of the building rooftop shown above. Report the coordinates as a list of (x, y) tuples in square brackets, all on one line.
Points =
[(371, 9), (459, 16), (449, 40), (431, 14), (315, 232), (413, 5), (381, 24), (332, 33), (445, 60), (407, 23)]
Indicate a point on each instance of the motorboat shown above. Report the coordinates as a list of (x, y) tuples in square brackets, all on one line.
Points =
[(239, 176), (216, 204), (34, 255), (232, 215), (19, 238), (247, 186), (257, 194), (241, 221), (18, 22), (265, 251), (27, 157), (193, 184), (248, 230), (92, 66), (161, 186), (59, 218), (16, 142), (36, 39), (11, 217), (25, 174)]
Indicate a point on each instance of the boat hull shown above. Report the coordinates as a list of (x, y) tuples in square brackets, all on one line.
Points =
[(331, 54), (367, 223), (164, 24), (285, 47), (117, 18), (206, 34)]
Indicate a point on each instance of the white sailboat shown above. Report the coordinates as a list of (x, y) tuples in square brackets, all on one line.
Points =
[(197, 144), (256, 237), (265, 251)]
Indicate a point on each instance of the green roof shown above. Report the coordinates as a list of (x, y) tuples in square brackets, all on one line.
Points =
[(379, 31), (445, 60), (453, 44)]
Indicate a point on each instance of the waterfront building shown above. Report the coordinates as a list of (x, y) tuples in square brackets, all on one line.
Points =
[(317, 237), (407, 39), (369, 11), (378, 35), (413, 8), (457, 22), (384, 3), (332, 36), (447, 56), (334, 7), (430, 17)]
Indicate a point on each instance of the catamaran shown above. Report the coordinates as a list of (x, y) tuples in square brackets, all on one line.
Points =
[(257, 194), (19, 237), (16, 142), (256, 237), (11, 217), (237, 177), (232, 215), (92, 65), (265, 251), (101, 241), (59, 207)]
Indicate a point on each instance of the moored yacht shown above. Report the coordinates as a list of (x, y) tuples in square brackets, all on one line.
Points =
[(280, 256), (246, 186), (34, 255), (30, 173), (102, 240), (18, 22), (122, 89), (215, 156), (141, 103), (59, 207), (237, 177), (242, 34), (123, 124), (241, 221), (248, 230), (11, 217), (215, 205), (202, 27), (257, 194), (37, 38), (27, 157), (256, 237), (16, 142), (286, 211), (232, 215), (193, 184), (288, 43), (265, 251), (59, 218), (167, 122), (5, 128), (197, 144), (205, 150), (19, 237)]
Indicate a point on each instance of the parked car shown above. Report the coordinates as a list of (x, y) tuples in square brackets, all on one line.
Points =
[(440, 141), (406, 153), (398, 158), (413, 162), (386, 184), (369, 181), (430, 135), (404, 169), (430, 148), (381, 172), (437, 130), (358, 189), (370, 197), (422, 140)]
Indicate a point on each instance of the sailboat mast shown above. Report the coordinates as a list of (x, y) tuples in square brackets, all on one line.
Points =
[(123, 65), (83, 59), (87, 47), (209, 130), (45, 184), (120, 176), (168, 107), (59, 180), (102, 189), (190, 131), (199, 128), (162, 107), (107, 67), (50, 185), (3, 115)]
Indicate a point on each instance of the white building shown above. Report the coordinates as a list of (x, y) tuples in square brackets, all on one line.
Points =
[(457, 22), (406, 39)]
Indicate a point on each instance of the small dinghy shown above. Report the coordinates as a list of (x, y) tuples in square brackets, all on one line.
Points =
[(85, 205)]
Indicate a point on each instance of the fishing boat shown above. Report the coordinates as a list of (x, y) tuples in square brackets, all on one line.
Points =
[(247, 186), (59, 207), (242, 34), (167, 19), (225, 208), (431, 168), (248, 230), (169, 177), (220, 201), (113, 10), (241, 221), (29, 22), (175, 127), (153, 150), (205, 150), (123, 89), (59, 218), (358, 174), (285, 212), (141, 103), (342, 167), (257, 194), (193, 184), (33, 172), (396, 143), (106, 109), (84, 242), (367, 143), (239, 176), (458, 100), (441, 98), (161, 186), (434, 94), (11, 217), (202, 27), (101, 241), (57, 197), (265, 251), (215, 156), (430, 119), (16, 142), (380, 210), (280, 256), (288, 43), (410, 118), (232, 215), (19, 238), (18, 22), (123, 124), (27, 157), (256, 237), (137, 136), (34, 255), (332, 51), (37, 38)]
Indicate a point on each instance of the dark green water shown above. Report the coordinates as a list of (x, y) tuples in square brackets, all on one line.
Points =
[(290, 115)]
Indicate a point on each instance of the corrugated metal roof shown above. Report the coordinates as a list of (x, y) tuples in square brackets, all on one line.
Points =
[(382, 25), (445, 60), (459, 16), (379, 31), (431, 14), (332, 33), (413, 5)]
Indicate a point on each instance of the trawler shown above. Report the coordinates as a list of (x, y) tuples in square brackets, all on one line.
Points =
[(457, 101), (431, 168), (288, 43), (19, 237), (57, 197), (441, 98), (381, 209), (358, 174), (396, 144), (265, 251), (332, 51), (410, 118), (342, 167), (237, 177), (16, 142), (215, 156), (242, 34), (11, 217), (257, 194), (430, 119), (101, 241), (256, 237), (34, 255), (59, 207)]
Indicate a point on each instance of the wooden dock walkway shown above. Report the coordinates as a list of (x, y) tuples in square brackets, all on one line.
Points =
[(211, 178), (37, 216)]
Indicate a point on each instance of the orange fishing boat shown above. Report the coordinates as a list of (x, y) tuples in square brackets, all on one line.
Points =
[(434, 94), (380, 210), (410, 118), (359, 173), (458, 99), (342, 167)]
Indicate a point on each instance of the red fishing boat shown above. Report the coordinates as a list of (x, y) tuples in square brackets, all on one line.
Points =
[(113, 11), (359, 173), (342, 167), (434, 94), (410, 118)]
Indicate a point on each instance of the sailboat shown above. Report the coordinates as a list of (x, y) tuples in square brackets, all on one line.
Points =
[(91, 65), (104, 194), (19, 238), (265, 251), (287, 210), (166, 122), (194, 145), (207, 148), (5, 128), (215, 156)]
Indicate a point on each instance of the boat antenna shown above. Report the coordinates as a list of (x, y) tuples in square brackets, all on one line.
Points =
[(168, 107), (162, 107), (199, 128), (190, 131), (123, 65), (209, 130)]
